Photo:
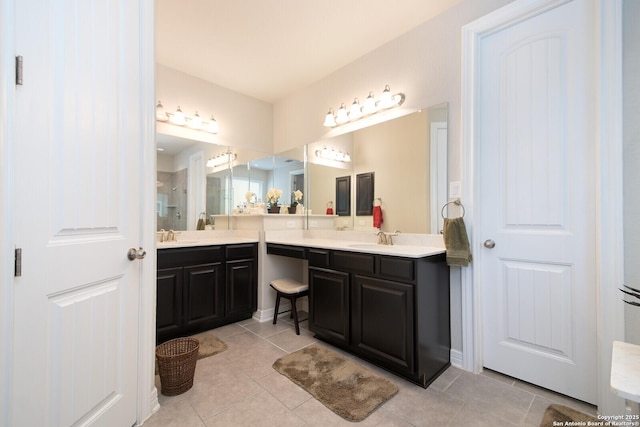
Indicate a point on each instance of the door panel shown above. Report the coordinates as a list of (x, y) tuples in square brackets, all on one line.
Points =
[(536, 163), (77, 208)]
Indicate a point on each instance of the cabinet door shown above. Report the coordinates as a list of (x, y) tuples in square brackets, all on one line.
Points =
[(383, 322), (241, 287), (203, 296), (329, 304), (168, 303)]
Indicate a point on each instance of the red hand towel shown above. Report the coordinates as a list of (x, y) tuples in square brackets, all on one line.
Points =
[(377, 216)]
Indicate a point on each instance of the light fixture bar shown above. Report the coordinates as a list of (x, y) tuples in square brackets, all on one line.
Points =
[(370, 106), (180, 119), (332, 154), (221, 159)]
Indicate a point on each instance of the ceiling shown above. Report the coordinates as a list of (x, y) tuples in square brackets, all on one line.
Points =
[(270, 49)]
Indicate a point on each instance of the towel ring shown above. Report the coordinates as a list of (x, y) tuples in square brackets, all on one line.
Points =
[(457, 202)]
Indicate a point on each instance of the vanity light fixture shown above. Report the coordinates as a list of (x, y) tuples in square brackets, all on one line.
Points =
[(178, 118), (331, 154), (370, 106), (330, 119), (221, 159)]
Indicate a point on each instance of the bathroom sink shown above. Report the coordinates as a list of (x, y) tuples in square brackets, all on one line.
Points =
[(364, 246)]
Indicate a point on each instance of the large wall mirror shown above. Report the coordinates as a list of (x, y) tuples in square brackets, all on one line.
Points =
[(187, 189), (199, 180), (408, 156), (256, 173)]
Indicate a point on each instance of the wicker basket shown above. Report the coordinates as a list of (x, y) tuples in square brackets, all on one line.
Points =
[(176, 364)]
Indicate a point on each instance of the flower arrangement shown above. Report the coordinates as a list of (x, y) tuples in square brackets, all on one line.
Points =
[(249, 196), (273, 195), (297, 196)]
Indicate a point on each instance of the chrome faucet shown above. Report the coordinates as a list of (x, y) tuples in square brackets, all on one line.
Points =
[(163, 235), (385, 238), (171, 236)]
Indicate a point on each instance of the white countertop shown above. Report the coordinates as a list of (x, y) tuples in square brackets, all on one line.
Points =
[(409, 251), (205, 242), (625, 370)]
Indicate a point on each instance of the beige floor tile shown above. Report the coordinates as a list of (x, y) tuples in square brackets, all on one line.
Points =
[(470, 415), (424, 407), (446, 379), (218, 392), (267, 329), (495, 397), (176, 414), (557, 398), (257, 364), (290, 342), (285, 390), (261, 410), (314, 413), (240, 387)]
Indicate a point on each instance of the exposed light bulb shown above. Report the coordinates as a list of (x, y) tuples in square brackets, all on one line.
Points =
[(213, 126), (385, 98), (355, 112), (196, 121), (161, 114), (369, 104), (330, 119), (178, 118), (342, 116)]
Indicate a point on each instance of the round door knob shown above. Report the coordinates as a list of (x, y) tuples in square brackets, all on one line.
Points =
[(134, 254), (489, 244)]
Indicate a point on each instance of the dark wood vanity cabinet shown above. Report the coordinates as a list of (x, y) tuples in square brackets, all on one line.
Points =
[(329, 297), (383, 321), (242, 279), (203, 287), (392, 311)]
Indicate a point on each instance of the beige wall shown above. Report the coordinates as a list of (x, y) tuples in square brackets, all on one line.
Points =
[(245, 122)]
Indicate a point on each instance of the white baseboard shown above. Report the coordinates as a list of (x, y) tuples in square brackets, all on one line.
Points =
[(456, 358), (267, 315)]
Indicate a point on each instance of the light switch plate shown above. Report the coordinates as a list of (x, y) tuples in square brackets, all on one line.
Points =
[(455, 190)]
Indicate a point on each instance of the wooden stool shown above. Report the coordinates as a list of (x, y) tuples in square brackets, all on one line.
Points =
[(291, 290)]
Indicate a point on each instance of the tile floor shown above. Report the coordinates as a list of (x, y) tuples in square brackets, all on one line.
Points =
[(240, 388)]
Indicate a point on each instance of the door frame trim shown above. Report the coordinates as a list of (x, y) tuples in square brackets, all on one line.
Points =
[(147, 397), (609, 182), (7, 220)]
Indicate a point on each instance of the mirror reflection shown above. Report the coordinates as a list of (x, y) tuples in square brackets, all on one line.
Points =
[(253, 179), (408, 156), (183, 196)]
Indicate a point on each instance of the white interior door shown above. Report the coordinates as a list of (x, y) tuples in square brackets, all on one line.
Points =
[(537, 199), (77, 157)]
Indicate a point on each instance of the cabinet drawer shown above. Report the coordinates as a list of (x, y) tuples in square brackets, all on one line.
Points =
[(398, 268), (319, 258), (285, 250), (244, 251), (354, 262), (180, 257)]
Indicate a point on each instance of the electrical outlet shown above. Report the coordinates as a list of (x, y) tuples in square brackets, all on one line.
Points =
[(291, 224)]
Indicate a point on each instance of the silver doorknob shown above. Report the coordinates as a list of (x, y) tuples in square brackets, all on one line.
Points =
[(134, 254), (489, 244)]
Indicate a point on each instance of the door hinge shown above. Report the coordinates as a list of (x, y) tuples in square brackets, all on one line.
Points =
[(19, 70), (18, 263)]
